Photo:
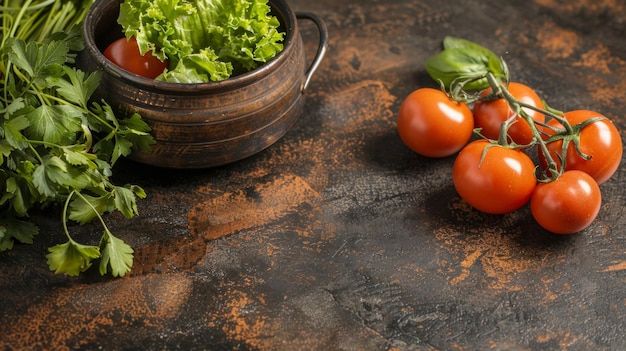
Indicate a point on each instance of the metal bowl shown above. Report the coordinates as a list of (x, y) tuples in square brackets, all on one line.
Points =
[(207, 124)]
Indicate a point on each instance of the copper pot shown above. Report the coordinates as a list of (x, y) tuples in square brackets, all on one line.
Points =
[(207, 124)]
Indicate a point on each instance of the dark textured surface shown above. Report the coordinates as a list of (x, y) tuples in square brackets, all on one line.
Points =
[(338, 237)]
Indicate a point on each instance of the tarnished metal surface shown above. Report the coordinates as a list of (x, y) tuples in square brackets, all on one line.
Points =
[(338, 237)]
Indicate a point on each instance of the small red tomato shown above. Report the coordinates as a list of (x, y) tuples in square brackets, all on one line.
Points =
[(492, 178), (433, 125), (600, 140), (490, 114), (125, 53), (568, 204)]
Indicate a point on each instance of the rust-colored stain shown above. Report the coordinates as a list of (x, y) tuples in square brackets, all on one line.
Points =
[(242, 320), (489, 251), (599, 58), (350, 112), (564, 339), (338, 237), (248, 208), (221, 216), (556, 41), (75, 318), (607, 80), (604, 71), (621, 266), (589, 7), (170, 254)]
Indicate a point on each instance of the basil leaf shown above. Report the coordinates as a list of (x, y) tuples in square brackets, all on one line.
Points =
[(463, 61)]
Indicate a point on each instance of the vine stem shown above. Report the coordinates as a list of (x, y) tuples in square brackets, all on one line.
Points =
[(552, 170)]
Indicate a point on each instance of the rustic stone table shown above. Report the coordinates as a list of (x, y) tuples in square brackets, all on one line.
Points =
[(338, 237)]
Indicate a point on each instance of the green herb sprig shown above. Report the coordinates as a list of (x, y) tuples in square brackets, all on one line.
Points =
[(56, 145)]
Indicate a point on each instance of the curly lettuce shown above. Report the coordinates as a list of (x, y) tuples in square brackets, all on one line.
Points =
[(204, 40)]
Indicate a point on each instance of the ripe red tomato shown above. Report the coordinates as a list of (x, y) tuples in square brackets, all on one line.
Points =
[(125, 53), (490, 114), (568, 204), (497, 181), (600, 140), (432, 124)]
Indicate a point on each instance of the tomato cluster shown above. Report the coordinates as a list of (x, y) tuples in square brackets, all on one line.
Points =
[(495, 173)]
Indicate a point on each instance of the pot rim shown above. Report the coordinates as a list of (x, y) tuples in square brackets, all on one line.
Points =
[(280, 9)]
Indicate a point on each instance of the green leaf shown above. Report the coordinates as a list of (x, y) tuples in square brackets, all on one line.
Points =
[(116, 254), (17, 196), (104, 168), (205, 40), (96, 120), (22, 56), (106, 111), (198, 68), (5, 149), (14, 229), (13, 132), (135, 124), (47, 126), (39, 60), (73, 38), (6, 242), (137, 190), (14, 106), (84, 208), (71, 258), (463, 61), (77, 155), (78, 89), (137, 131), (123, 147), (450, 42), (125, 201), (51, 174), (55, 177), (57, 124)]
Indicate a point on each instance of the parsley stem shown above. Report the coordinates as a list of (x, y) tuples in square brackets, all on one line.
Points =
[(95, 211), (64, 215), (16, 21), (48, 121)]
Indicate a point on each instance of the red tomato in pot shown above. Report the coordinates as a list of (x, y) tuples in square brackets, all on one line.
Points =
[(125, 53), (568, 204), (433, 125), (492, 178), (490, 114), (601, 140)]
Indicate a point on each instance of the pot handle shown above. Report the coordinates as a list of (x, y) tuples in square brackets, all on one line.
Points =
[(321, 49)]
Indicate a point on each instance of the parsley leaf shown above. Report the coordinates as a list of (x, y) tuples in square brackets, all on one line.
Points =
[(57, 124), (78, 88), (71, 258), (85, 208), (58, 145), (12, 228), (116, 254), (38, 60)]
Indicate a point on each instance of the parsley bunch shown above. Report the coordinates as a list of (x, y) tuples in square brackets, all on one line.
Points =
[(57, 146)]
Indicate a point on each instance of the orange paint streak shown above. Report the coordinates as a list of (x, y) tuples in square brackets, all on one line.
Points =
[(246, 209), (615, 268)]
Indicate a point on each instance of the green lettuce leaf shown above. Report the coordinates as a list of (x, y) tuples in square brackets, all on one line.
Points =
[(204, 40)]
